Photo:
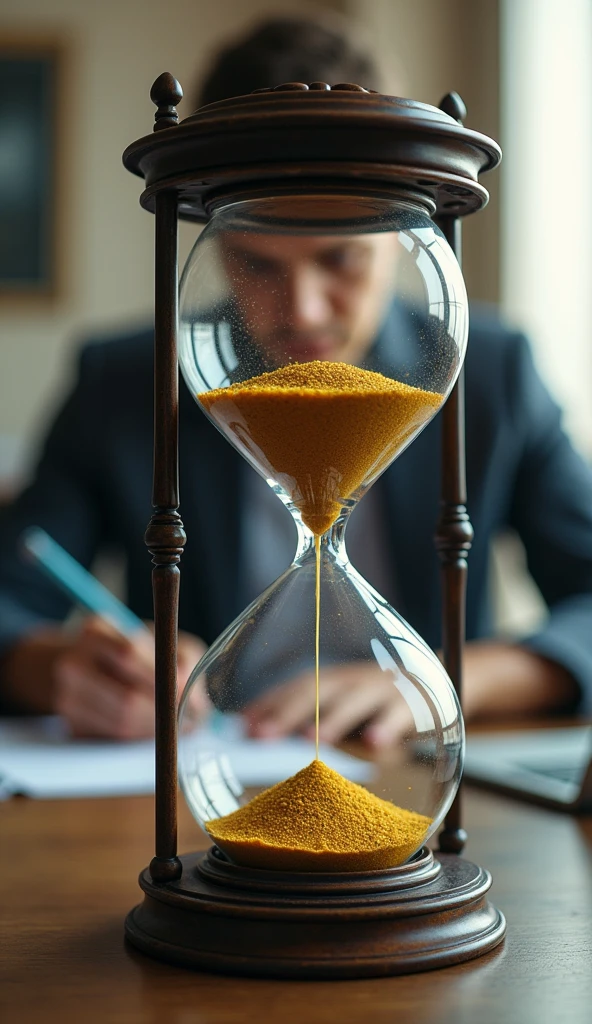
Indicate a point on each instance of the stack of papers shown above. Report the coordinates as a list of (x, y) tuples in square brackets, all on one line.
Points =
[(38, 759)]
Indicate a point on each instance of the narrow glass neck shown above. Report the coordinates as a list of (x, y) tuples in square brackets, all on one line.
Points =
[(333, 541)]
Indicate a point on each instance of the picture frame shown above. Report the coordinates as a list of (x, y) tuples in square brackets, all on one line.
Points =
[(31, 166)]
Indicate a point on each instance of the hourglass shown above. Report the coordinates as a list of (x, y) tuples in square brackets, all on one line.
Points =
[(323, 324)]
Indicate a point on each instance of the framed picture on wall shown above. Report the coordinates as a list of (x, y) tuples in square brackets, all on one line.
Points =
[(31, 74)]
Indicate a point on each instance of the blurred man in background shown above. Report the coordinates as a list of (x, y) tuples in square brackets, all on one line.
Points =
[(93, 484)]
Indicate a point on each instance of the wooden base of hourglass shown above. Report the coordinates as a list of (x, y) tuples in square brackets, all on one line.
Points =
[(221, 917)]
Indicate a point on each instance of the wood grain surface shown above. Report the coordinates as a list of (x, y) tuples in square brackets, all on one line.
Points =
[(68, 876)]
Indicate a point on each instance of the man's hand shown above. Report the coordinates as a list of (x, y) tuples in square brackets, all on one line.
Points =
[(502, 680), (355, 699), (101, 682)]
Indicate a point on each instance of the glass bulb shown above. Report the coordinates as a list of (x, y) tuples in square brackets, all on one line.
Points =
[(320, 334)]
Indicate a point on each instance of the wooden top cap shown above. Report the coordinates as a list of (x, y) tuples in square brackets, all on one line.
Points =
[(313, 137)]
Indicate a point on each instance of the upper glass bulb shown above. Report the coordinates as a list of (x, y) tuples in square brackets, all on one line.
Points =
[(323, 280)]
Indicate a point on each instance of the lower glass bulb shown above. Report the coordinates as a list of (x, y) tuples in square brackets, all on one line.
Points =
[(335, 803)]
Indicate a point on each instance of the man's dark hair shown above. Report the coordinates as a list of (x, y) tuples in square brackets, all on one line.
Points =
[(288, 49)]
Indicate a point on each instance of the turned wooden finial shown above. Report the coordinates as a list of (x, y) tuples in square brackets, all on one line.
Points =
[(165, 93), (453, 105)]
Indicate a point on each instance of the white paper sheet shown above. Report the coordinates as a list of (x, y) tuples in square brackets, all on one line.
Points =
[(37, 759)]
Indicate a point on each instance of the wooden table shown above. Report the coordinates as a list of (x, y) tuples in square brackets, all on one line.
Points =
[(68, 876)]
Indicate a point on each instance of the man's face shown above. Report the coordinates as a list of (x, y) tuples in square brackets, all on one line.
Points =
[(304, 298)]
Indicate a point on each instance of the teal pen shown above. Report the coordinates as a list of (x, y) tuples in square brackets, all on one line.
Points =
[(84, 588), (76, 582)]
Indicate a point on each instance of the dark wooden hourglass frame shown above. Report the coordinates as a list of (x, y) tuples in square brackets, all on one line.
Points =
[(200, 910)]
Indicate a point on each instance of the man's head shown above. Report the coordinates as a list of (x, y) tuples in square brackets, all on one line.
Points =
[(289, 49), (310, 297), (303, 297)]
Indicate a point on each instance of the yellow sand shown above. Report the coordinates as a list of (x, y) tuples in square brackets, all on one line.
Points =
[(318, 821), (321, 429)]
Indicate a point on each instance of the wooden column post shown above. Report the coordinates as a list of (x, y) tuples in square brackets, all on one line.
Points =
[(165, 535), (454, 532)]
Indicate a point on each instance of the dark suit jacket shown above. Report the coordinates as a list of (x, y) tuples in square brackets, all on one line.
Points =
[(93, 487)]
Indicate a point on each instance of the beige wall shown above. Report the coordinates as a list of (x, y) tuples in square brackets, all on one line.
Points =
[(117, 48), (434, 47)]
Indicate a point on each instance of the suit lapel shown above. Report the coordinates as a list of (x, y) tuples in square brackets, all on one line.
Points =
[(411, 489), (411, 493), (210, 491)]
